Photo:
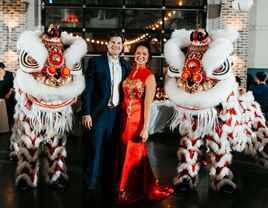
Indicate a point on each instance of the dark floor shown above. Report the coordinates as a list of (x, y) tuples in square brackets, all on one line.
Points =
[(252, 181)]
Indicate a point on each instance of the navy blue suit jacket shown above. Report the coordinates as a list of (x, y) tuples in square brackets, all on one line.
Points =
[(97, 93), (260, 93)]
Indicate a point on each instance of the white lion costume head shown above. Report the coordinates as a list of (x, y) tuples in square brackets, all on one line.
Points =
[(50, 76), (201, 72)]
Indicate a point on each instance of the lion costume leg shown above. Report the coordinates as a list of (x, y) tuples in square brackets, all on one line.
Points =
[(28, 155), (188, 168), (219, 157), (255, 128), (261, 131), (54, 162)]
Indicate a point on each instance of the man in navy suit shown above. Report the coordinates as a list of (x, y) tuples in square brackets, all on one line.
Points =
[(260, 92), (100, 107)]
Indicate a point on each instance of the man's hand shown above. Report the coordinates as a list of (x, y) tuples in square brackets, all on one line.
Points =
[(7, 96), (87, 122)]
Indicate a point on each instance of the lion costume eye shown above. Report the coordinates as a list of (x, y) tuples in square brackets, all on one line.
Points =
[(28, 63), (77, 68), (223, 70)]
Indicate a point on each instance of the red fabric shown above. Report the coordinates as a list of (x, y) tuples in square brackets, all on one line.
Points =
[(136, 180)]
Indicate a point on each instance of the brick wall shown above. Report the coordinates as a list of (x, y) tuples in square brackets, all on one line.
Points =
[(12, 24), (240, 22)]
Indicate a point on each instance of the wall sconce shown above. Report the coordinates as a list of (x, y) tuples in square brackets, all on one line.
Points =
[(242, 5)]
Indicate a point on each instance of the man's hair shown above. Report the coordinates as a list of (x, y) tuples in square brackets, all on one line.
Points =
[(2, 65), (261, 76), (115, 34)]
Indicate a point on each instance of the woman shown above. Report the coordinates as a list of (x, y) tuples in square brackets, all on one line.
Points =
[(136, 179), (6, 91)]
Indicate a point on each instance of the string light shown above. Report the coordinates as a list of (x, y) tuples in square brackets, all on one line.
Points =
[(154, 26), (141, 37)]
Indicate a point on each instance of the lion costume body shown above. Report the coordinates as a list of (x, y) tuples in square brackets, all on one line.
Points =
[(209, 110), (47, 84)]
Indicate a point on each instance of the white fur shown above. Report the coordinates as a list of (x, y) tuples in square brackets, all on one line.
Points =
[(172, 50), (29, 85), (229, 33), (206, 121), (205, 99), (27, 179), (77, 49), (219, 50), (31, 42)]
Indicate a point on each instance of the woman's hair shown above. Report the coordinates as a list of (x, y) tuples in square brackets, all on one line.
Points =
[(146, 45), (2, 65)]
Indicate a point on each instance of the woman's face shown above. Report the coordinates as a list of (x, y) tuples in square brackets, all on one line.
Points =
[(141, 55)]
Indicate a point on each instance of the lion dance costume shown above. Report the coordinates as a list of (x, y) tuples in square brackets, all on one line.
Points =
[(47, 84), (210, 113)]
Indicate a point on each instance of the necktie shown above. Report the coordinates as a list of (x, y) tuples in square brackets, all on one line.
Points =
[(115, 84)]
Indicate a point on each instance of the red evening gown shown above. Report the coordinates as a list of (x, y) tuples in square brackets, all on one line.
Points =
[(136, 180)]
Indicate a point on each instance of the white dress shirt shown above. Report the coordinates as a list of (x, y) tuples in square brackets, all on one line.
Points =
[(115, 81)]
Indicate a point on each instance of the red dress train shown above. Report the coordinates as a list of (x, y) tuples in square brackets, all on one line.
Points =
[(136, 180)]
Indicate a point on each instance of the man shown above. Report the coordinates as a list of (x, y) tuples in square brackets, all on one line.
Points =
[(260, 92), (100, 107)]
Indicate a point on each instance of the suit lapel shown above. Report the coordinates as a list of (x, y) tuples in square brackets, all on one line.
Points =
[(106, 68)]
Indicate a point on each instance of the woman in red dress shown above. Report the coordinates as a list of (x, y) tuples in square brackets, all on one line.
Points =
[(136, 180)]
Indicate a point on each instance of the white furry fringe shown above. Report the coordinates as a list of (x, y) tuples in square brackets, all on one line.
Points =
[(206, 121)]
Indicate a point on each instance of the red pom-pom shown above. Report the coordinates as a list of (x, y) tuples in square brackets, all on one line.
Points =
[(65, 72), (197, 78), (51, 70), (185, 75)]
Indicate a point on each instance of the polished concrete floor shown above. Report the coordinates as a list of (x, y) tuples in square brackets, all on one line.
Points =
[(252, 181)]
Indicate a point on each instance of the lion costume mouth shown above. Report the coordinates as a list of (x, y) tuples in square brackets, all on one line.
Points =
[(53, 81), (193, 87), (54, 104)]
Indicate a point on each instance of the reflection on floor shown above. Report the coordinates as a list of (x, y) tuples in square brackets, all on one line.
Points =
[(252, 181)]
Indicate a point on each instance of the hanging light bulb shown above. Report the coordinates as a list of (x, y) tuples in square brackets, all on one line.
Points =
[(242, 5)]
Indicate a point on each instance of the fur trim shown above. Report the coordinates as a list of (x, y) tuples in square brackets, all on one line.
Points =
[(205, 99), (46, 93), (52, 122), (216, 186), (24, 152), (27, 179), (178, 179), (26, 165), (229, 33), (30, 42), (61, 150), (77, 49), (206, 121), (218, 51), (172, 49), (173, 54)]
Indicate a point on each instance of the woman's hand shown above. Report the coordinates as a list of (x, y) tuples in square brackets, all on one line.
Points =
[(144, 134)]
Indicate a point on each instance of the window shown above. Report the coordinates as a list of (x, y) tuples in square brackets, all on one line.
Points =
[(151, 20)]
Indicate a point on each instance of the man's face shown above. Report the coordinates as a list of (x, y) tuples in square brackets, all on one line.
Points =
[(115, 46)]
